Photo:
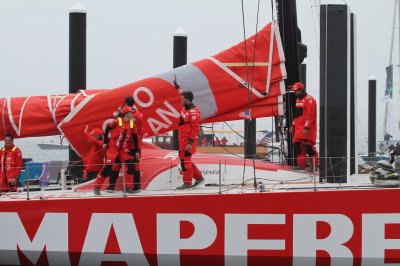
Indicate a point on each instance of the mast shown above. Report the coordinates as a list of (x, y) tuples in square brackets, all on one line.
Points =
[(390, 67), (398, 6), (295, 52)]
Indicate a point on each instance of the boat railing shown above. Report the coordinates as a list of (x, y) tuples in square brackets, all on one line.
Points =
[(162, 177)]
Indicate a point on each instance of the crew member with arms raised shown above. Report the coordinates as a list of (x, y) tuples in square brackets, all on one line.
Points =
[(11, 164), (93, 160), (138, 121), (117, 136), (189, 126), (305, 128)]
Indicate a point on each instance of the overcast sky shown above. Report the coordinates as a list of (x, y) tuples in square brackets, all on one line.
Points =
[(129, 40)]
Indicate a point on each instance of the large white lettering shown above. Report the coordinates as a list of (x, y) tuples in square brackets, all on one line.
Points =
[(52, 234), (373, 238), (140, 101), (236, 236), (172, 112), (156, 125), (169, 242), (305, 242), (127, 237)]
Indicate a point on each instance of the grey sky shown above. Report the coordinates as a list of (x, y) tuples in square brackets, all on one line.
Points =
[(130, 40)]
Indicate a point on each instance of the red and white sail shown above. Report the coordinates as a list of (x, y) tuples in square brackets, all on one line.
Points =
[(232, 85)]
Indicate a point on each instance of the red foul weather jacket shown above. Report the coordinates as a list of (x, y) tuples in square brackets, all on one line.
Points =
[(305, 117), (138, 122), (11, 164), (118, 135), (189, 127), (93, 161)]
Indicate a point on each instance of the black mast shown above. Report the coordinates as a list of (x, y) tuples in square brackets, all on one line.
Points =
[(295, 52)]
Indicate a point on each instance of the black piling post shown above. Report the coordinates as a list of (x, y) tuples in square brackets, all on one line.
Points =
[(77, 68), (249, 138), (371, 115), (179, 59)]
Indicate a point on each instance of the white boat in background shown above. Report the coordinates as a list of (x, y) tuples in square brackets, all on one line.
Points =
[(55, 143)]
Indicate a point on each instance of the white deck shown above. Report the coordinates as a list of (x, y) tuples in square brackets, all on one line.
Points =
[(208, 187)]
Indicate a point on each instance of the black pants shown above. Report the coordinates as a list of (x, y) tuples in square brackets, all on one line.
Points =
[(132, 169), (91, 175)]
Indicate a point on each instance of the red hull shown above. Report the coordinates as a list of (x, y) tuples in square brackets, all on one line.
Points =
[(353, 227)]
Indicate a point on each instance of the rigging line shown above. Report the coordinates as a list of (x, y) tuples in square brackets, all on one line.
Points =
[(317, 7), (234, 130), (247, 79), (245, 48), (361, 126), (3, 113), (315, 28), (255, 46), (272, 9), (393, 28), (231, 153), (326, 94)]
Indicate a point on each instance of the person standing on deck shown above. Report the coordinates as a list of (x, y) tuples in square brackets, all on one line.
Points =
[(305, 128), (121, 131), (189, 126), (138, 121), (11, 164), (93, 161)]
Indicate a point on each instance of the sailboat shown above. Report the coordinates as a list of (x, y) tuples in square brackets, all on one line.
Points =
[(247, 212)]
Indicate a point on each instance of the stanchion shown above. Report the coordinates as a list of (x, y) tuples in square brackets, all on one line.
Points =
[(220, 185), (315, 178), (224, 171), (63, 180), (170, 177), (123, 179), (254, 173), (27, 185)]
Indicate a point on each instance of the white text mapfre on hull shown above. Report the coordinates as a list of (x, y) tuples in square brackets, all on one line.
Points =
[(298, 228)]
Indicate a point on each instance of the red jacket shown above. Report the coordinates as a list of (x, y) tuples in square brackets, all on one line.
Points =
[(189, 127), (138, 122), (120, 134), (305, 117), (10, 164), (93, 161)]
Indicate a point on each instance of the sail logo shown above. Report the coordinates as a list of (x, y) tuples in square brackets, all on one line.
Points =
[(144, 98), (210, 172)]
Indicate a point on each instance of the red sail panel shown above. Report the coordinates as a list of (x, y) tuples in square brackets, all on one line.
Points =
[(160, 105), (253, 65), (37, 115), (241, 113)]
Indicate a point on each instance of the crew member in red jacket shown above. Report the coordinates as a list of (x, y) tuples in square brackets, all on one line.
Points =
[(121, 131), (11, 164), (138, 121), (305, 128), (189, 126), (93, 161)]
